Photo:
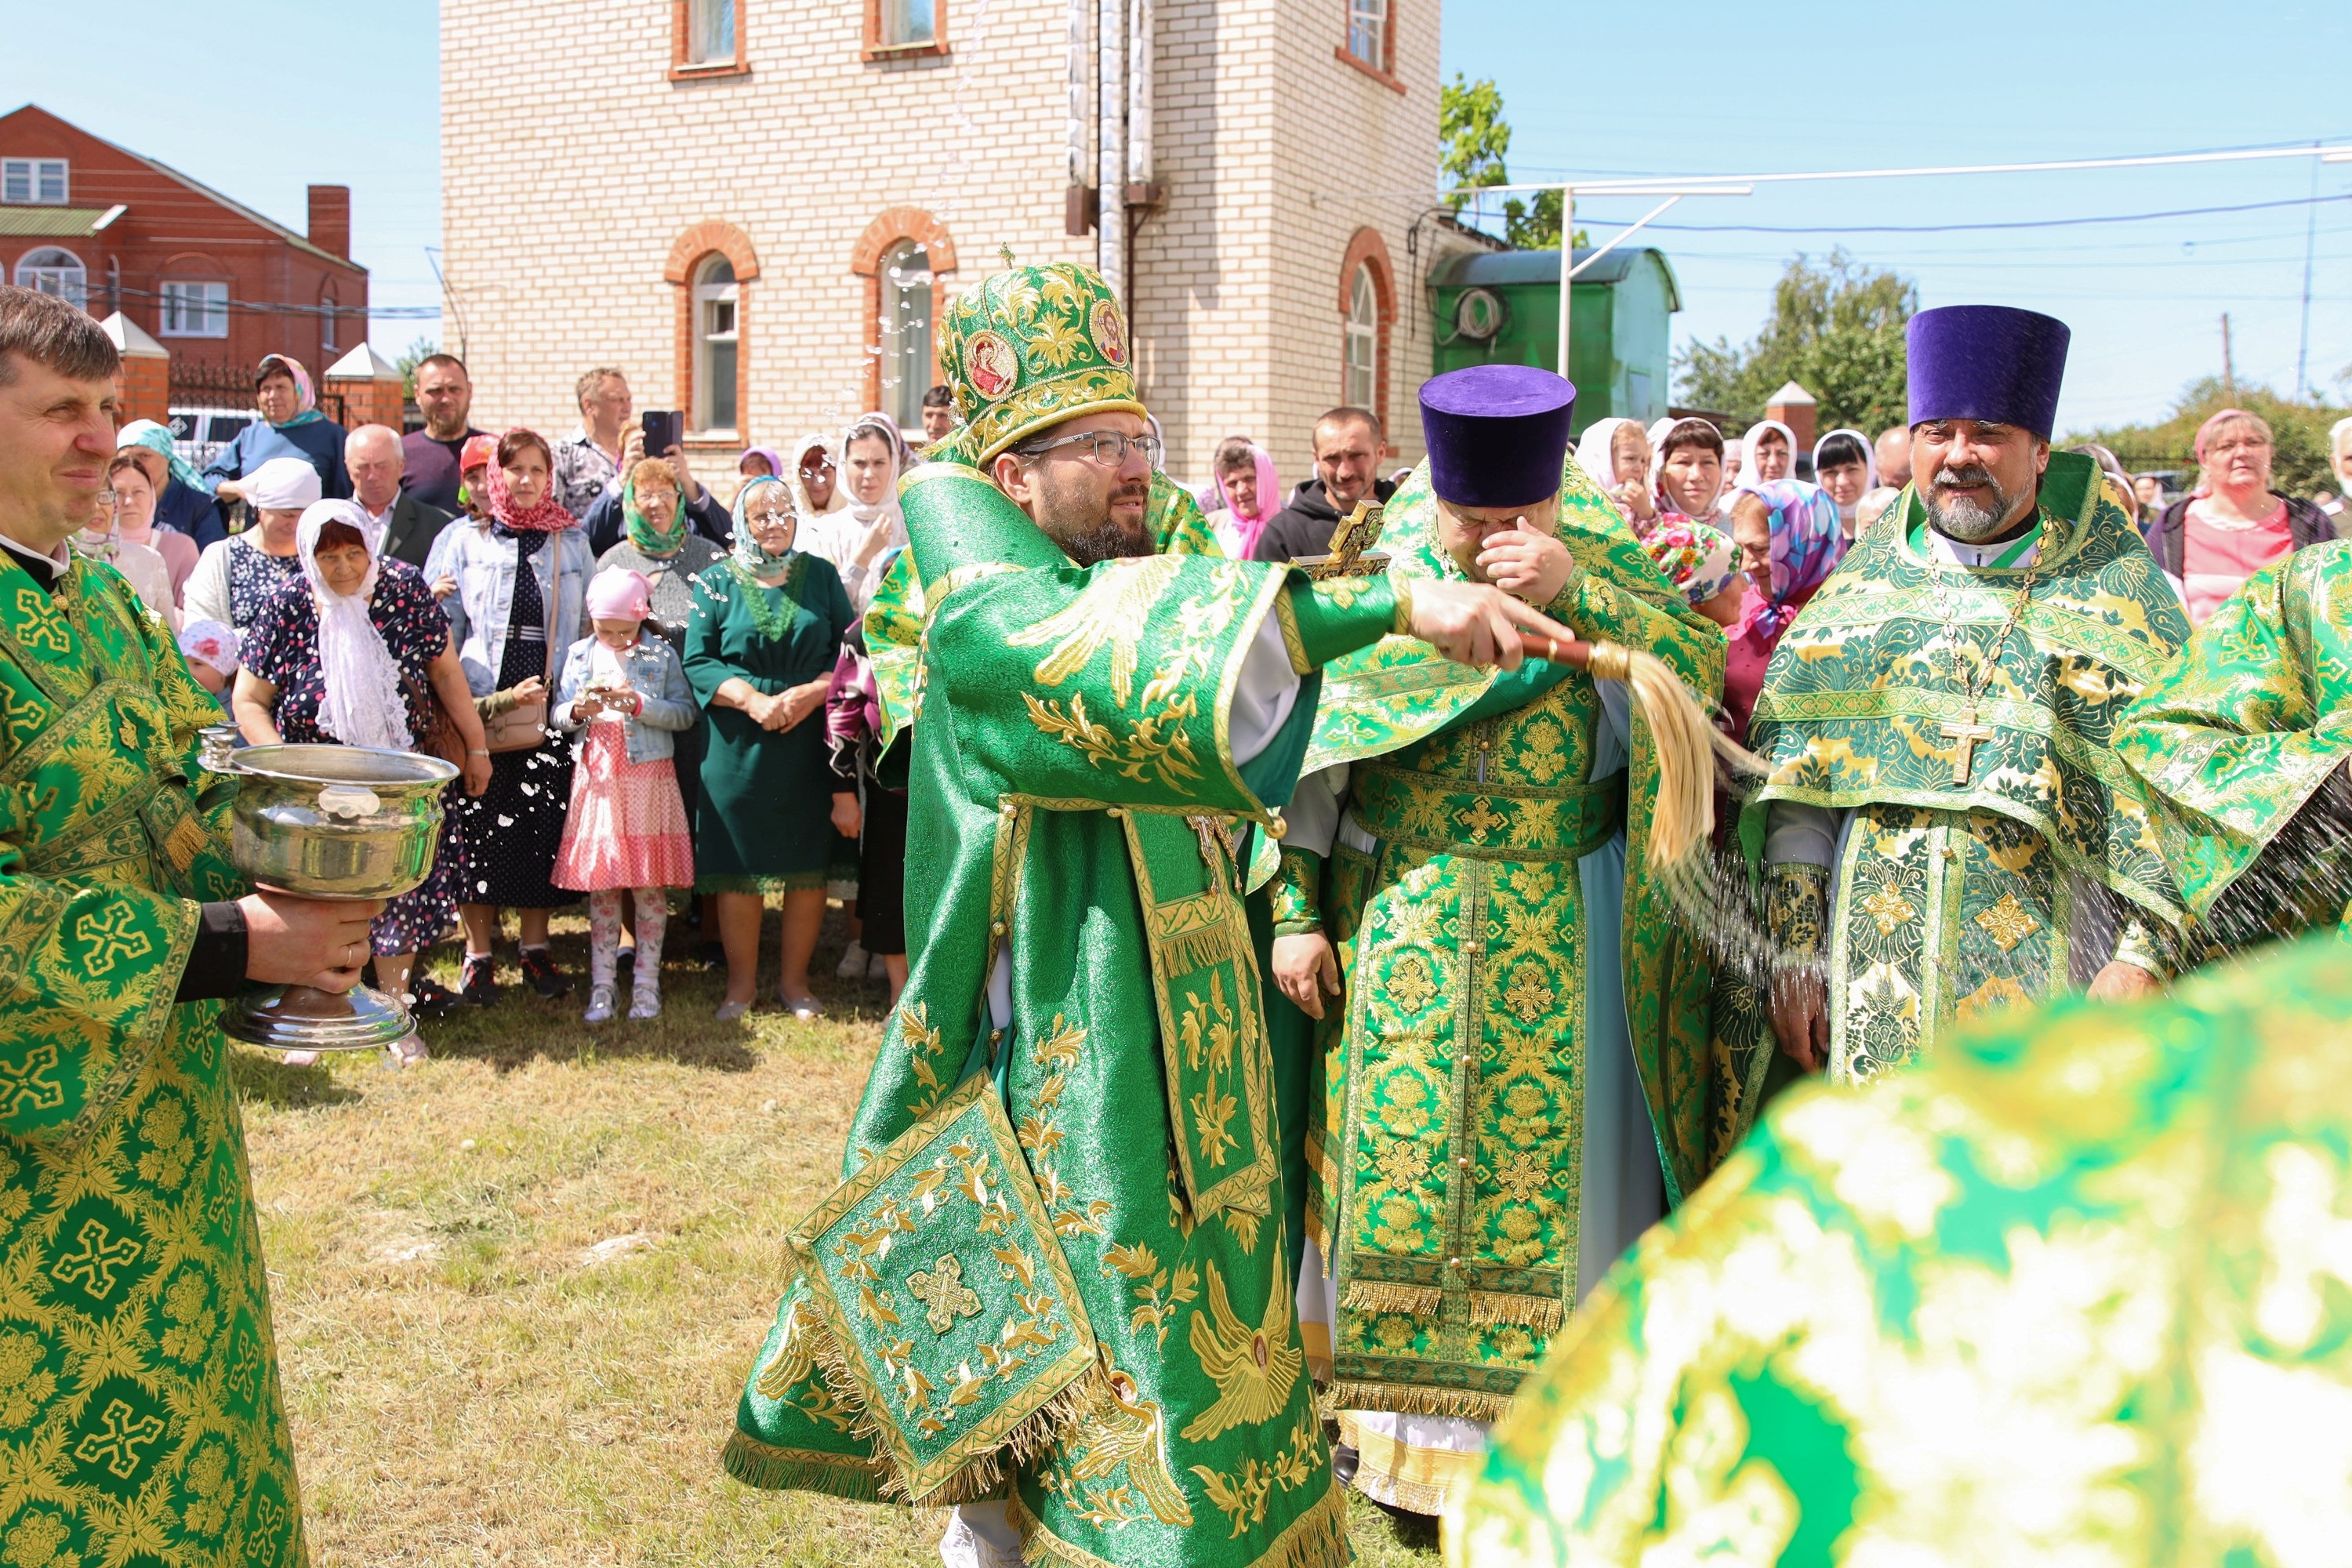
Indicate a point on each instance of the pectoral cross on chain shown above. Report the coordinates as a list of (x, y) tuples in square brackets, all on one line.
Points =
[(1965, 734)]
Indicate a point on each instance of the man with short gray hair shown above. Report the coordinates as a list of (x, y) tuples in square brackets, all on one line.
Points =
[(405, 526), (589, 460)]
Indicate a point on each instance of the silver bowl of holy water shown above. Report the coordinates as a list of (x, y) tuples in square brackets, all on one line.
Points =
[(331, 823)]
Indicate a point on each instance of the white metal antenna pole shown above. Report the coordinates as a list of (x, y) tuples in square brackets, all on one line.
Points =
[(1567, 273), (1570, 266)]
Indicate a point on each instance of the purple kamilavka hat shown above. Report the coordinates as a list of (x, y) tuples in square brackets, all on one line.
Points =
[(1496, 434), (1988, 362)]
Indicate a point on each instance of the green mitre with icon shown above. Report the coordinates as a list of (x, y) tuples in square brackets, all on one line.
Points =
[(1031, 347)]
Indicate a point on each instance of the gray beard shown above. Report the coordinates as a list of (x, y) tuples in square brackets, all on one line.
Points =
[(1964, 520)]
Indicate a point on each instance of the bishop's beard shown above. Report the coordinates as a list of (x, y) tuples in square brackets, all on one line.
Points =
[(1089, 534)]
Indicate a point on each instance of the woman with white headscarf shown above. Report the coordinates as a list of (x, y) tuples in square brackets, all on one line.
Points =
[(814, 477), (1615, 455), (869, 528), (1846, 466), (356, 650), (236, 575), (1767, 452)]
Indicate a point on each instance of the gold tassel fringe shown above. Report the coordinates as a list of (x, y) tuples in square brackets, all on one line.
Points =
[(1544, 1314), (1316, 1539), (755, 1464), (1686, 745), (1402, 1400), (987, 1475), (1379, 1296)]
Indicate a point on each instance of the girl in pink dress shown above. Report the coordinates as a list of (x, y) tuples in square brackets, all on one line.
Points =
[(626, 830)]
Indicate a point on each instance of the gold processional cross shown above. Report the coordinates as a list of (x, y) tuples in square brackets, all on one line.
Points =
[(1965, 734)]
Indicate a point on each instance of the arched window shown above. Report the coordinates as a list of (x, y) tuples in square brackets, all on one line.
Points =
[(1362, 330), (327, 334), (52, 269), (906, 324), (715, 340)]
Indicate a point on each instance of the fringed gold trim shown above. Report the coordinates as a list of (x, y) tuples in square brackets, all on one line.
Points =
[(1401, 1399), (833, 1365), (1200, 949), (757, 1464), (988, 1474), (1544, 1314), (1380, 1296)]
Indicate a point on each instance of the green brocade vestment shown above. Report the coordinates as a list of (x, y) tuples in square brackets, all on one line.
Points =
[(1979, 829), (139, 1402), (2241, 734), (2071, 1291), (1073, 785), (1450, 1139)]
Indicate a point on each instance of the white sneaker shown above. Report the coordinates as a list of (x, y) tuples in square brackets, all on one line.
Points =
[(644, 1001), (852, 963), (599, 1006)]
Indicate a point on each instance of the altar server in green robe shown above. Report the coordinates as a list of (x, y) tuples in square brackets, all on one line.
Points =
[(1946, 827), (2071, 1291), (1087, 1341), (1518, 1085), (2241, 743), (138, 1370)]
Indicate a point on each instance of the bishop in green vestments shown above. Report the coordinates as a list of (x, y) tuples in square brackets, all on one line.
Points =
[(1946, 828), (139, 1401), (2242, 745), (1518, 1085), (1053, 1288), (2071, 1291)]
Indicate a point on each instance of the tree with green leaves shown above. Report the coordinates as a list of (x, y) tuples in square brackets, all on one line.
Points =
[(410, 358), (1474, 141), (1837, 330), (2298, 435)]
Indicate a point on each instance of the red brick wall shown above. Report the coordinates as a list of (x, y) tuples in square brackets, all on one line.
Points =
[(366, 402), (143, 390), (173, 231)]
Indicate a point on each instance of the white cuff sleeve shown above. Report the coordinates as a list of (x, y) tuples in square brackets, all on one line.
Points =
[(1265, 694), (1311, 820)]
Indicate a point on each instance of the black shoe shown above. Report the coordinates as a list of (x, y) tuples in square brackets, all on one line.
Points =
[(480, 984), (627, 965), (1343, 1462), (538, 971), (433, 999)]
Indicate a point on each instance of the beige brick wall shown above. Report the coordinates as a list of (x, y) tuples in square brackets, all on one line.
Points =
[(572, 167)]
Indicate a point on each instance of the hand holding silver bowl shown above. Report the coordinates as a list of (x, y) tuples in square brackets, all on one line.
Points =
[(331, 823)]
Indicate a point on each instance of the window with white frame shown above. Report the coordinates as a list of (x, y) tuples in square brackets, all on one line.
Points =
[(905, 22), (709, 32), (905, 333), (51, 270), (717, 340), (1368, 27), (194, 311), (1361, 332), (33, 182)]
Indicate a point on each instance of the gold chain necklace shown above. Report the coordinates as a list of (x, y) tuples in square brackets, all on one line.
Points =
[(1966, 732)]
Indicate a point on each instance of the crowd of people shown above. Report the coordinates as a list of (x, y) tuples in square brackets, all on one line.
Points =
[(649, 692)]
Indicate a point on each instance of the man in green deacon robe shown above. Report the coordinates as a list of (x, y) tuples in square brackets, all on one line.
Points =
[(2241, 743), (1516, 1083), (1945, 827), (138, 1403), (1092, 718), (2075, 1290)]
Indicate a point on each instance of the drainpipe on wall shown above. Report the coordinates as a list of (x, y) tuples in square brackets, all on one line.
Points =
[(1110, 145), (1077, 202)]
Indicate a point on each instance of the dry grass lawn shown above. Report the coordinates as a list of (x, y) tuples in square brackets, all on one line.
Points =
[(518, 1288)]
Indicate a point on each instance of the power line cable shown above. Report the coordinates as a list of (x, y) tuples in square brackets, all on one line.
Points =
[(1969, 227)]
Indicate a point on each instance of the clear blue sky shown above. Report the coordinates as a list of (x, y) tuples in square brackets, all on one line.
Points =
[(263, 97), (1594, 89)]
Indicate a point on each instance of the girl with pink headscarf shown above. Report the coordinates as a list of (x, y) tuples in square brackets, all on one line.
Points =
[(1246, 493), (1791, 539), (626, 831)]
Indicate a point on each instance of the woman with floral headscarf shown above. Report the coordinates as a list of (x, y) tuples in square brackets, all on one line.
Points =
[(522, 591), (183, 509), (1790, 540), (760, 645), (290, 426), (356, 651)]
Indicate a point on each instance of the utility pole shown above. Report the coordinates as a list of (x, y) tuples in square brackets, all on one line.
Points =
[(2310, 239), (2228, 366)]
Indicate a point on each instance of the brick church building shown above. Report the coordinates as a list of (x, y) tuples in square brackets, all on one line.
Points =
[(214, 281), (757, 208)]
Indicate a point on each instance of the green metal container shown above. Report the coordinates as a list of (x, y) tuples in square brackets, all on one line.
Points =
[(1503, 308)]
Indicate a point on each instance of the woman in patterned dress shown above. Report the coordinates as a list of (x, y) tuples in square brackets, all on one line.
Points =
[(349, 654), (522, 590), (760, 651)]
